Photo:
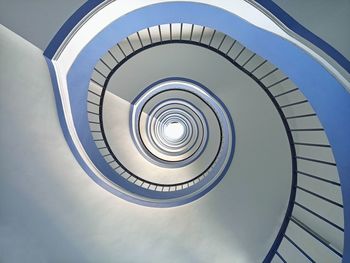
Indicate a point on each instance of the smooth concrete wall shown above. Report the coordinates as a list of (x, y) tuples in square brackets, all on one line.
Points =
[(37, 20), (51, 211), (328, 19)]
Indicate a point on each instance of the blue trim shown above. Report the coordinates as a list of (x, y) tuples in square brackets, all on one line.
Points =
[(328, 97), (78, 97), (101, 163), (67, 27), (296, 27), (71, 144), (269, 5)]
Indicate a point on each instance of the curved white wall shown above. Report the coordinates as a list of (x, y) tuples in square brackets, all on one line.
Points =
[(52, 211)]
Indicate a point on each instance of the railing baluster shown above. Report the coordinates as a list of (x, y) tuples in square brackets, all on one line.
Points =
[(239, 54), (314, 160), (99, 72), (120, 48), (181, 26), (249, 59), (100, 148), (316, 236), (92, 92), (93, 113), (104, 63), (287, 92), (293, 104), (312, 144), (212, 37), (160, 33), (319, 196), (98, 84), (319, 178), (299, 248), (268, 74), (149, 34), (233, 43), (258, 66), (301, 116), (93, 103), (115, 59), (307, 129), (191, 32), (139, 37), (319, 216), (281, 258), (276, 83), (132, 48), (200, 39), (222, 41)]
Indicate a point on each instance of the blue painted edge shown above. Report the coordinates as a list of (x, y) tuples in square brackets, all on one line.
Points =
[(69, 140), (269, 5), (127, 197), (74, 150), (333, 110), (67, 27), (296, 27)]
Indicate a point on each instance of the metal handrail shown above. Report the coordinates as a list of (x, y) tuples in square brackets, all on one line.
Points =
[(290, 130)]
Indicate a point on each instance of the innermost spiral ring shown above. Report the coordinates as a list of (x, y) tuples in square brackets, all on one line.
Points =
[(171, 122), (182, 165), (174, 131), (175, 111)]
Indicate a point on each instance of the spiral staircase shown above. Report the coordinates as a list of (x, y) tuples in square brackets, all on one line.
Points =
[(173, 131)]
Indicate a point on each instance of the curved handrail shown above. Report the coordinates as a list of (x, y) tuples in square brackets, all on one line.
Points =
[(259, 79)]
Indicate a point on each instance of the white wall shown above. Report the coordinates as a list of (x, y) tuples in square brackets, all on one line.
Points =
[(51, 211), (37, 20), (328, 19)]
